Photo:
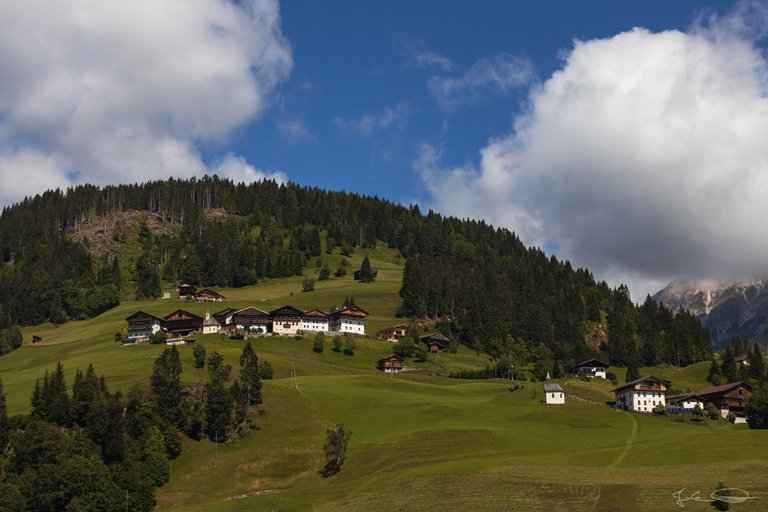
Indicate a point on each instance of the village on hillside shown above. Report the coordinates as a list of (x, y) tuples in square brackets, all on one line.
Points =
[(648, 394)]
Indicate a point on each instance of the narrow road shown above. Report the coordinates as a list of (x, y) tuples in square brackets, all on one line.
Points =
[(630, 441)]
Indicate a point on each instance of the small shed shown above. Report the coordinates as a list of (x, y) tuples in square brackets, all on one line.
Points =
[(390, 364)]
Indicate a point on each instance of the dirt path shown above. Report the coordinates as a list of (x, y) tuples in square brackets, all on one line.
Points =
[(630, 441)]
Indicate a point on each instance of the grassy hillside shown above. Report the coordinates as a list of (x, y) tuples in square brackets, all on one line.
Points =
[(418, 440)]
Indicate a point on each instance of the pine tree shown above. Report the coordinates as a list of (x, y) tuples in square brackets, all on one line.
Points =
[(198, 353), (757, 364), (367, 274), (218, 406), (633, 373), (56, 399), (714, 377), (166, 385), (250, 375)]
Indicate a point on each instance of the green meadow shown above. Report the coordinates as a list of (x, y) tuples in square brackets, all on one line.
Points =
[(420, 441)]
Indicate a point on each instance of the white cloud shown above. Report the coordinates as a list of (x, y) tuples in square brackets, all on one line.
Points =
[(23, 172), (643, 158), (294, 130), (417, 53), (128, 91), (237, 169), (368, 124), (497, 75)]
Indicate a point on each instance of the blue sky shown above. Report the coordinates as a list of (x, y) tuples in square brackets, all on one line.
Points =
[(356, 59), (626, 137)]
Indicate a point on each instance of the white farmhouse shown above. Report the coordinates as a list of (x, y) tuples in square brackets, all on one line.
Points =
[(286, 321), (142, 325), (685, 401), (314, 320), (641, 395), (591, 368), (349, 319)]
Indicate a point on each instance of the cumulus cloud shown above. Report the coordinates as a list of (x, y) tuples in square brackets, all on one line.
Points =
[(114, 92), (368, 124), (643, 158), (489, 75)]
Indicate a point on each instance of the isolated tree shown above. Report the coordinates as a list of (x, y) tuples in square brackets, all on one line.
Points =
[(319, 343), (367, 274), (325, 273), (420, 354), (349, 345), (265, 370), (308, 284), (198, 353), (335, 449), (338, 343), (712, 412), (166, 385), (249, 374), (698, 413)]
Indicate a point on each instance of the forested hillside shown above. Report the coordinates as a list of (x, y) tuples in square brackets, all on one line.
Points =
[(478, 283)]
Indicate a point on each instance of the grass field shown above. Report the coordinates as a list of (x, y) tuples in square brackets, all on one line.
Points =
[(419, 441)]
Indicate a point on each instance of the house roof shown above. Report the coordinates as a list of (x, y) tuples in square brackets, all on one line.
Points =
[(723, 389), (286, 311), (225, 311), (251, 311), (592, 362), (315, 313), (663, 382), (208, 291), (552, 388), (142, 314), (683, 397), (398, 326), (180, 314), (350, 311), (435, 338), (739, 359), (210, 321), (391, 356)]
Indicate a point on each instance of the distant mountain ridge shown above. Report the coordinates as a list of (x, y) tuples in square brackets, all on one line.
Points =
[(726, 308)]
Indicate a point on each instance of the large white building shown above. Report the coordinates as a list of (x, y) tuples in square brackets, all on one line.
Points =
[(286, 321), (315, 320), (349, 319), (641, 395)]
